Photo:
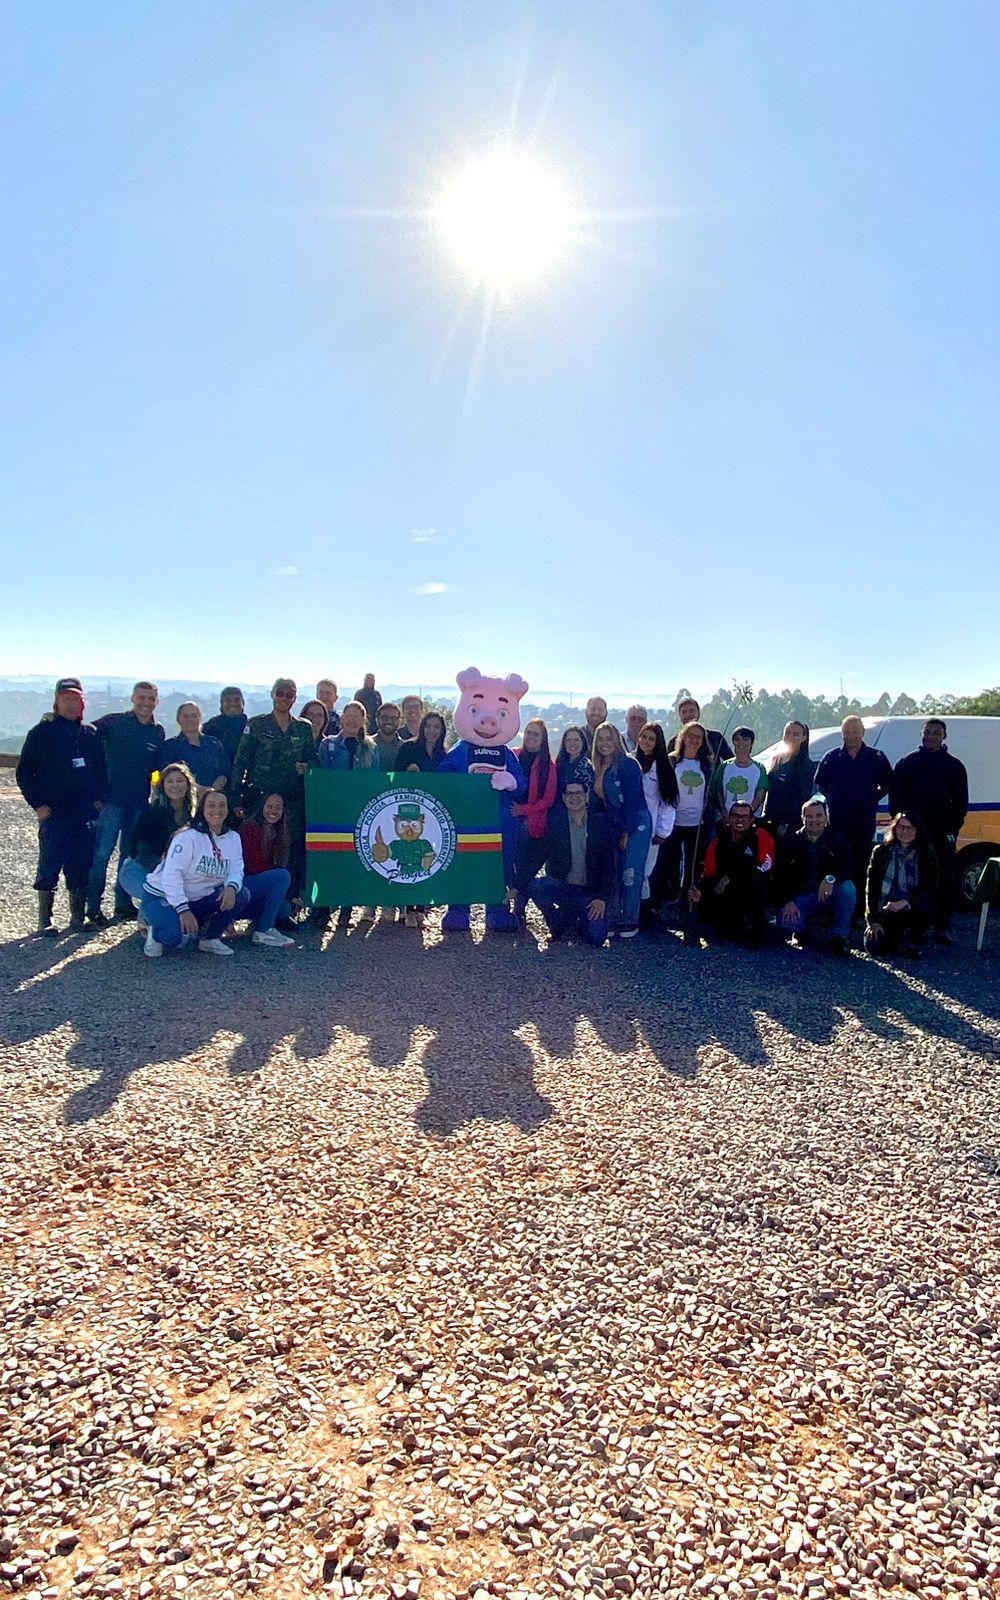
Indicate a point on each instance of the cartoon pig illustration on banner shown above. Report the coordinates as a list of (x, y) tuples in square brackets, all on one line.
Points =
[(488, 717)]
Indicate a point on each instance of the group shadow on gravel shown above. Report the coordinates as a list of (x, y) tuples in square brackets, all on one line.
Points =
[(476, 1010)]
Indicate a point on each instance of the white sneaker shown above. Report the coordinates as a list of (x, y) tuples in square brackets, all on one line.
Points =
[(368, 913), (152, 947), (273, 937), (215, 947)]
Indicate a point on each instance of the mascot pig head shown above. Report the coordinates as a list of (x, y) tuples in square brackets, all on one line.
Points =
[(488, 715)]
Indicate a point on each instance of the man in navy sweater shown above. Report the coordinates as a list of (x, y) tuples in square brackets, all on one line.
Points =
[(62, 776), (132, 741), (934, 783), (852, 781)]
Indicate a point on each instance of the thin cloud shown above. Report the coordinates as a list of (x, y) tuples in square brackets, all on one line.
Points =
[(285, 572), (433, 588), (423, 535)]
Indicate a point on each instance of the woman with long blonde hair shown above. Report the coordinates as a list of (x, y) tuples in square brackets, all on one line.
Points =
[(618, 790)]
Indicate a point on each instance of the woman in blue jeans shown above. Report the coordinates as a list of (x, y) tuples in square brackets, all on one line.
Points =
[(618, 790), (197, 890)]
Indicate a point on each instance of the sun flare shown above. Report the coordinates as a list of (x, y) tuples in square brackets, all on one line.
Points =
[(505, 218)]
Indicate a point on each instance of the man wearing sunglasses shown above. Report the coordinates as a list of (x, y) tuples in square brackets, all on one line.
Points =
[(273, 757)]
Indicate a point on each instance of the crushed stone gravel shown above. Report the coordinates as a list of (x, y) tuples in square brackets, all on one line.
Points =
[(408, 1268)]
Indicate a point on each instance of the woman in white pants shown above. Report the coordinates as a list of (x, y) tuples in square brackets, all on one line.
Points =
[(659, 788)]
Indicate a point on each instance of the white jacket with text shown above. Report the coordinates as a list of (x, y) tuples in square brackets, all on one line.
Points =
[(195, 865)]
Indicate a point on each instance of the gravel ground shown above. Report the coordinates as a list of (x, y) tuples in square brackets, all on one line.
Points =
[(673, 1272)]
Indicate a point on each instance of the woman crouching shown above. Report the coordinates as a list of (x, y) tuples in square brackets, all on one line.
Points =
[(198, 890)]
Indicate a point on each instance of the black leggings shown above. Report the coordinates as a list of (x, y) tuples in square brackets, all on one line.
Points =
[(678, 864)]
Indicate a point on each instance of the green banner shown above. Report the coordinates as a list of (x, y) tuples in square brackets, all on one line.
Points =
[(402, 839)]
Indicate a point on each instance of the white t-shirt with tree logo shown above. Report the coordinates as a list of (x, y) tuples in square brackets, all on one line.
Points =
[(691, 790), (747, 784)]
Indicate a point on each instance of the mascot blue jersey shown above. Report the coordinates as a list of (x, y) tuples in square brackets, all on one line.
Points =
[(465, 754)]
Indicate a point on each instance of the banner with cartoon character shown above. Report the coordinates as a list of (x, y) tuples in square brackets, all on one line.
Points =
[(401, 839)]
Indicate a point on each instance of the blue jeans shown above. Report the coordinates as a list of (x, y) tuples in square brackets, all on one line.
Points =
[(131, 877), (840, 906), (165, 923), (115, 822), (632, 870), (268, 893), (564, 907)]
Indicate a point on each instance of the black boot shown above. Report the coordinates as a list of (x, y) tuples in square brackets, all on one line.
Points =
[(46, 927), (78, 910)]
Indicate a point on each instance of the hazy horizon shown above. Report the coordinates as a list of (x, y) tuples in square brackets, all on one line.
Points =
[(346, 684)]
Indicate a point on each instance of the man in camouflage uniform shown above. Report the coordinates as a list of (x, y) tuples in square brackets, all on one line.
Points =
[(274, 753)]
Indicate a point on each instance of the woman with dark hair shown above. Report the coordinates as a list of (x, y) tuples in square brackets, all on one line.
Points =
[(318, 718), (680, 859), (197, 890), (901, 888), (791, 782), (572, 761), (171, 806), (659, 788), (266, 849), (426, 752), (618, 790), (539, 768)]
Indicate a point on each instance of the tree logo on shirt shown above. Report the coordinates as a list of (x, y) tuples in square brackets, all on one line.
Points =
[(738, 786), (405, 836), (692, 781)]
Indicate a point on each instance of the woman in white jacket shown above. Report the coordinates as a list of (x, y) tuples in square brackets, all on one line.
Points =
[(659, 787), (197, 889)]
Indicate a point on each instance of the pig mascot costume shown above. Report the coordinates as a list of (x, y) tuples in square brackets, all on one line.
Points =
[(488, 716)]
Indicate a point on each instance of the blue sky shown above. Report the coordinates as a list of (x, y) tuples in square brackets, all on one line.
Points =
[(749, 428)]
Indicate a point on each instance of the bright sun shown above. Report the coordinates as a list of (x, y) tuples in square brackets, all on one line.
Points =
[(505, 218)]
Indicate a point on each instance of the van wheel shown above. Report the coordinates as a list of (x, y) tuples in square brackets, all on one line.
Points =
[(970, 864)]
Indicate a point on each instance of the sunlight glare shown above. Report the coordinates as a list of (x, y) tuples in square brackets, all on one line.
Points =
[(505, 218)]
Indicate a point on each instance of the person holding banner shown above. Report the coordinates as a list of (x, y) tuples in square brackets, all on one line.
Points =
[(488, 717), (353, 747), (426, 751), (351, 750)]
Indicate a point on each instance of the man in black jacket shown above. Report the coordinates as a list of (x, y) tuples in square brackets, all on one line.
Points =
[(852, 779), (732, 892), (580, 870), (62, 776), (813, 878), (229, 726), (934, 783)]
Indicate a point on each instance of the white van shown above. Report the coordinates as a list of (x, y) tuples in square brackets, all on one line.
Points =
[(976, 743)]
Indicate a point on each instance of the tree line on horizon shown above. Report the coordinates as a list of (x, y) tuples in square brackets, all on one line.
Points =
[(767, 712)]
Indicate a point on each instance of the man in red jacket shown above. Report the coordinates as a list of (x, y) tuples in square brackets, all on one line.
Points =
[(732, 893)]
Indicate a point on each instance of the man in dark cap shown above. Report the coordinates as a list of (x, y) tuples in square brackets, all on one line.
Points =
[(62, 776)]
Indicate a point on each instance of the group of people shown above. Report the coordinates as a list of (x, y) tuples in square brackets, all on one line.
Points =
[(616, 832)]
